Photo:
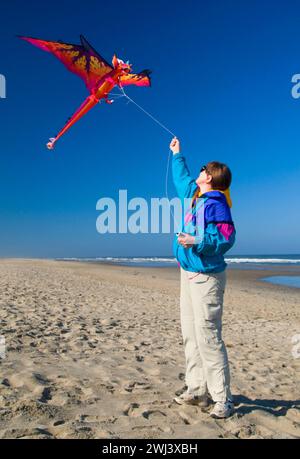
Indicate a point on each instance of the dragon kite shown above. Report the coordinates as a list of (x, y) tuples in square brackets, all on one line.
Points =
[(99, 76)]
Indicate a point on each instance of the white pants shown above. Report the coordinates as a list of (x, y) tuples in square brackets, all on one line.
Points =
[(201, 308)]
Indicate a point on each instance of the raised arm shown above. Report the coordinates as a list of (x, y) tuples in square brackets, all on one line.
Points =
[(183, 182)]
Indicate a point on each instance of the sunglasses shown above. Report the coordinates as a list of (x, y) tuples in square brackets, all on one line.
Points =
[(203, 168)]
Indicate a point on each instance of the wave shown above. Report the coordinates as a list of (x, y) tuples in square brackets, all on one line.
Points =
[(124, 259), (262, 260), (170, 260)]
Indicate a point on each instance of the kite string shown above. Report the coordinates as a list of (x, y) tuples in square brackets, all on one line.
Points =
[(169, 154), (145, 111), (166, 188)]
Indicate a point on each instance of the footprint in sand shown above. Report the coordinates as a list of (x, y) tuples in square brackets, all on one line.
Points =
[(129, 410)]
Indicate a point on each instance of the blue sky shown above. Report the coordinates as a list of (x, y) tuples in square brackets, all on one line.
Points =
[(221, 81)]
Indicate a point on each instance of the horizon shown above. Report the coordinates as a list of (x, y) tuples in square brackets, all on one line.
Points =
[(227, 255)]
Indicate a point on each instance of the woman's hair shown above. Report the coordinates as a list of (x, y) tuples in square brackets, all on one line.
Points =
[(221, 175)]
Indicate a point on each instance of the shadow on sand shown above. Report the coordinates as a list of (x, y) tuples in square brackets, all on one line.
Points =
[(272, 406)]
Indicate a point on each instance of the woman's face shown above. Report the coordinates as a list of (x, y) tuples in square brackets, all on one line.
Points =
[(204, 177)]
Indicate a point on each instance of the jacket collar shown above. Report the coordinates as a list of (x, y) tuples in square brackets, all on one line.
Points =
[(218, 194)]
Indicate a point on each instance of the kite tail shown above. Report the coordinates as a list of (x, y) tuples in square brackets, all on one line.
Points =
[(50, 144), (89, 103)]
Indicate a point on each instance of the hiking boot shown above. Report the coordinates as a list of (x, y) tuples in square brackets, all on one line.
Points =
[(222, 410)]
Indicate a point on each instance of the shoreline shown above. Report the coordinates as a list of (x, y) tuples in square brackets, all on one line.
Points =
[(234, 273), (273, 268)]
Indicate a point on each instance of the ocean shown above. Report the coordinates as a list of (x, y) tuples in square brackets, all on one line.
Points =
[(233, 261)]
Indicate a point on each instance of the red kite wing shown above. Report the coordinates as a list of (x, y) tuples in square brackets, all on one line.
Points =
[(82, 59), (138, 79)]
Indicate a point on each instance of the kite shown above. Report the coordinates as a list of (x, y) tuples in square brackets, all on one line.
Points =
[(99, 76)]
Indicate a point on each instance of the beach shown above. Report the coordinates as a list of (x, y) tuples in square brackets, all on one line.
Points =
[(95, 351)]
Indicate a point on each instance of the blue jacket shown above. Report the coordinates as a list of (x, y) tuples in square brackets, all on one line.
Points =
[(208, 218)]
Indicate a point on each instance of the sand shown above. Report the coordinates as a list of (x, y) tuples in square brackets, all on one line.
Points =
[(95, 351)]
